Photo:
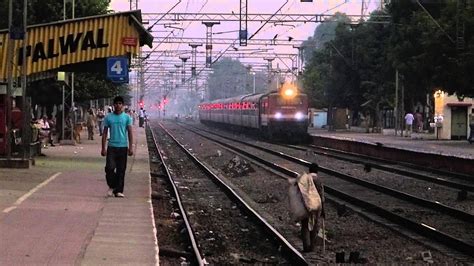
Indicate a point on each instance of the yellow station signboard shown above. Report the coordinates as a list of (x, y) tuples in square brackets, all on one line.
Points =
[(54, 45)]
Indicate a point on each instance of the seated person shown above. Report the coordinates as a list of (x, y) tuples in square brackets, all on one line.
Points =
[(45, 131)]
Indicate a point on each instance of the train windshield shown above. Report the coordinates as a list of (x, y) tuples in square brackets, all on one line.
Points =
[(291, 101)]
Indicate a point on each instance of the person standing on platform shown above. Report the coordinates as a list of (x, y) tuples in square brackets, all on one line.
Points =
[(90, 123), (419, 122), (120, 144), (100, 121), (471, 127), (408, 124), (145, 117), (141, 117)]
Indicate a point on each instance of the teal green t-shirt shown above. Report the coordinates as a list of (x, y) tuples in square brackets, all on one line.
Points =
[(117, 125)]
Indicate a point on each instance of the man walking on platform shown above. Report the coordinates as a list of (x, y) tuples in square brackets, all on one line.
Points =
[(409, 124), (120, 143)]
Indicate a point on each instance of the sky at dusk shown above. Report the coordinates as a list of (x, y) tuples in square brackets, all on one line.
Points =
[(298, 31), (301, 31)]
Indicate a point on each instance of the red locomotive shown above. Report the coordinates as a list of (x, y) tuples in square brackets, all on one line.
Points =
[(276, 113)]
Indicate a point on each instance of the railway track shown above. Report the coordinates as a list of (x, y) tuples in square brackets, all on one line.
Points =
[(448, 179), (408, 211), (222, 227), (457, 183)]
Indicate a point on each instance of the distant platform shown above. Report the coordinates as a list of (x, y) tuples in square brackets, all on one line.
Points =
[(418, 142)]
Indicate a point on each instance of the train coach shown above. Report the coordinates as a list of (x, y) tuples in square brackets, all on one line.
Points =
[(276, 113)]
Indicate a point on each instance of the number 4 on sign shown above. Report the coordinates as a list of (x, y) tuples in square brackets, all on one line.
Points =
[(117, 67)]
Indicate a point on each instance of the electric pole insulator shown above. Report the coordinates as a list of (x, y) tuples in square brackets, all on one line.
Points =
[(243, 18)]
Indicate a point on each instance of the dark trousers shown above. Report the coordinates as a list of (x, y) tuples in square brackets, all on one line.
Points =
[(101, 127), (90, 132), (308, 237), (115, 166), (141, 121)]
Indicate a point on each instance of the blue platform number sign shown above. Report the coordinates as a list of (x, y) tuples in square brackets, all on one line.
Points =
[(117, 69)]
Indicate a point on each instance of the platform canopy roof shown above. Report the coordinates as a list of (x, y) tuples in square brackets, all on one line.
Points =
[(81, 44)]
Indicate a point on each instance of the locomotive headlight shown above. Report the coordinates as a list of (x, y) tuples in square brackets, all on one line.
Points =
[(299, 116), (278, 115), (289, 92)]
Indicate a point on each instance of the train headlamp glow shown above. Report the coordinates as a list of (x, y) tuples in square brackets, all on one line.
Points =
[(299, 116), (278, 115), (288, 90)]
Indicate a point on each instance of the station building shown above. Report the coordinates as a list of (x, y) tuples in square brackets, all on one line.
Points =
[(451, 115)]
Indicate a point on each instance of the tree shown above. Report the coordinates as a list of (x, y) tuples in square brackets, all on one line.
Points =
[(376, 86), (323, 33), (44, 11), (229, 78), (356, 69), (424, 47)]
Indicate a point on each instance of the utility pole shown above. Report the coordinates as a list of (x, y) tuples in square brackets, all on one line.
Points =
[(402, 108), (16, 31), (243, 32), (133, 4), (363, 10), (269, 69), (193, 59), (178, 66), (247, 75), (209, 26), (8, 101), (73, 111), (194, 47), (183, 70), (26, 114), (300, 59), (139, 82), (395, 111)]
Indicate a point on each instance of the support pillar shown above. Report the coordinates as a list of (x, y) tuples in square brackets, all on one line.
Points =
[(209, 26), (243, 32), (269, 69), (183, 69)]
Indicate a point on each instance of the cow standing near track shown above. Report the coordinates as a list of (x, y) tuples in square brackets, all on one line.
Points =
[(306, 195)]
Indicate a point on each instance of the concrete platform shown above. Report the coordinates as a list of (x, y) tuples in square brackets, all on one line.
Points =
[(57, 212), (418, 142), (420, 149)]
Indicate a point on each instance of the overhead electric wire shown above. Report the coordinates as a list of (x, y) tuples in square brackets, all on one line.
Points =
[(149, 28), (268, 20), (345, 2), (434, 20)]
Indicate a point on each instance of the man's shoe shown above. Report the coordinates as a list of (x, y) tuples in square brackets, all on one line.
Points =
[(110, 193), (119, 195)]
